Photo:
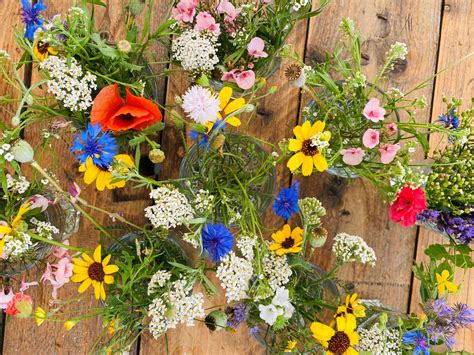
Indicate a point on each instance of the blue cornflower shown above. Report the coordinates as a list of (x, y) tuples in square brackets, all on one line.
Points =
[(450, 119), (30, 15), (217, 241), (418, 340), (286, 202), (203, 138), (98, 145)]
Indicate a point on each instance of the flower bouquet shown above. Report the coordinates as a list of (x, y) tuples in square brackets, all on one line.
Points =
[(235, 41)]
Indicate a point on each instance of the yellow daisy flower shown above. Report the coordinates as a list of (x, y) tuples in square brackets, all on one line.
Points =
[(103, 178), (287, 241), (290, 346), (352, 308), (339, 341), (40, 316), (228, 107), (93, 271), (42, 50), (307, 154), (444, 283)]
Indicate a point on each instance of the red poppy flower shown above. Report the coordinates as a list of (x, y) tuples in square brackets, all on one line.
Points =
[(114, 113), (408, 204)]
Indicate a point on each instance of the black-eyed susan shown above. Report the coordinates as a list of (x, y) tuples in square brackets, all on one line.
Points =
[(42, 50), (104, 177), (287, 241), (444, 283), (228, 107), (337, 341), (352, 308), (309, 146), (93, 271), (290, 346)]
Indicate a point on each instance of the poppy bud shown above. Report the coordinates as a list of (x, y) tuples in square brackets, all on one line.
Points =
[(156, 156), (23, 152)]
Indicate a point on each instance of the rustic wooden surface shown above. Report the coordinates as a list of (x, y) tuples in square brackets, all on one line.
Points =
[(437, 32)]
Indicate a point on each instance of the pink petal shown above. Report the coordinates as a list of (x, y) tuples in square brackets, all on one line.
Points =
[(388, 152), (245, 79), (230, 76), (352, 156), (370, 139), (255, 48), (373, 111)]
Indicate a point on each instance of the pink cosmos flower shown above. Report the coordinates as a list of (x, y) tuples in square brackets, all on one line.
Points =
[(373, 111), (370, 139), (352, 156), (5, 298), (392, 128), (39, 201), (255, 48), (204, 21), (244, 79), (185, 10), (388, 152)]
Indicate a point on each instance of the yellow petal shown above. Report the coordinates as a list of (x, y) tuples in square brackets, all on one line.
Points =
[(295, 161), (97, 290), (281, 252), (80, 269), (317, 127), (5, 230), (108, 279), (451, 286), (80, 262), (224, 96), (341, 323), (298, 132), (233, 121), (278, 237), (234, 106), (350, 324), (351, 351), (306, 129), (286, 230), (297, 234), (102, 178), (307, 168), (441, 289), (82, 168), (98, 254), (295, 249), (295, 145), (326, 136), (110, 269), (91, 173), (87, 258), (320, 162), (106, 260), (445, 274), (439, 279), (274, 246), (321, 332), (84, 286), (353, 337), (102, 291), (125, 161), (79, 277)]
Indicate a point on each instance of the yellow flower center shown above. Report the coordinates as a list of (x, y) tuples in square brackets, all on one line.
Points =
[(339, 343), (96, 272), (308, 149), (288, 243)]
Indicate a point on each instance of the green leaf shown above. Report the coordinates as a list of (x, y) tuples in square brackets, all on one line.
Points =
[(437, 252)]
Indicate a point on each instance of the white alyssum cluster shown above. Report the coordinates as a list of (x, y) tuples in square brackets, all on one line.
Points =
[(68, 83), (158, 280), (276, 270), (203, 201), (380, 341), (171, 208), (44, 229), (297, 5), (234, 274), (180, 307), (318, 141), (16, 245), (196, 51), (18, 185), (5, 151), (350, 248)]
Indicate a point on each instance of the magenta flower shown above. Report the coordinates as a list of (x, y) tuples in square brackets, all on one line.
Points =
[(256, 48), (373, 111), (352, 156), (185, 10), (204, 21), (370, 139), (388, 152)]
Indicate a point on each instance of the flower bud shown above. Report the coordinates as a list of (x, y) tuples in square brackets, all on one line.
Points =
[(15, 121), (23, 152), (218, 142), (216, 320), (124, 46), (24, 308), (317, 237), (156, 156), (70, 324)]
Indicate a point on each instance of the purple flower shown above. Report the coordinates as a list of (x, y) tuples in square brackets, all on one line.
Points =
[(460, 227), (237, 315), (418, 340), (450, 119), (30, 16), (286, 202), (254, 330), (462, 315)]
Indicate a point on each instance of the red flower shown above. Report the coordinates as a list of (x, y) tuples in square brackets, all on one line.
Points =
[(114, 113), (408, 204), (19, 304)]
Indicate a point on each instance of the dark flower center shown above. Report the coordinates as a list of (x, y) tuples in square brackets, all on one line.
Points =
[(210, 322), (339, 343), (42, 47), (288, 243), (308, 149), (126, 117), (96, 272)]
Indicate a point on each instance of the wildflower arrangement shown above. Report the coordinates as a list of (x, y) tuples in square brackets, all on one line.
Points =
[(234, 41)]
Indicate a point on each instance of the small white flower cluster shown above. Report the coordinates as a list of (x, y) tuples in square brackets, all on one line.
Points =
[(159, 279), (234, 216), (318, 141), (171, 208), (44, 229), (16, 245), (398, 50), (380, 341), (203, 201), (297, 5), (192, 238), (350, 248), (280, 306), (18, 185), (234, 274), (5, 151), (182, 308), (276, 270), (196, 51), (246, 245), (68, 83)]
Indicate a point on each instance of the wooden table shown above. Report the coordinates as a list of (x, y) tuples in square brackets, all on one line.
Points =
[(437, 33)]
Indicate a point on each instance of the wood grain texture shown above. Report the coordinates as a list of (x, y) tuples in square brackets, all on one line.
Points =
[(356, 207), (456, 41)]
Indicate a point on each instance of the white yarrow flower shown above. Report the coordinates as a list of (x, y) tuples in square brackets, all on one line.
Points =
[(350, 248)]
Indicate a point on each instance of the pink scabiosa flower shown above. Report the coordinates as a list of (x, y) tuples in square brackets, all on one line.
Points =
[(185, 10), (352, 156), (392, 128), (20, 305), (407, 205), (388, 152), (201, 105), (256, 48), (370, 139), (373, 111), (205, 22)]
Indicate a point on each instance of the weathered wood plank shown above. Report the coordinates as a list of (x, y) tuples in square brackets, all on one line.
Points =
[(356, 207), (456, 41)]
